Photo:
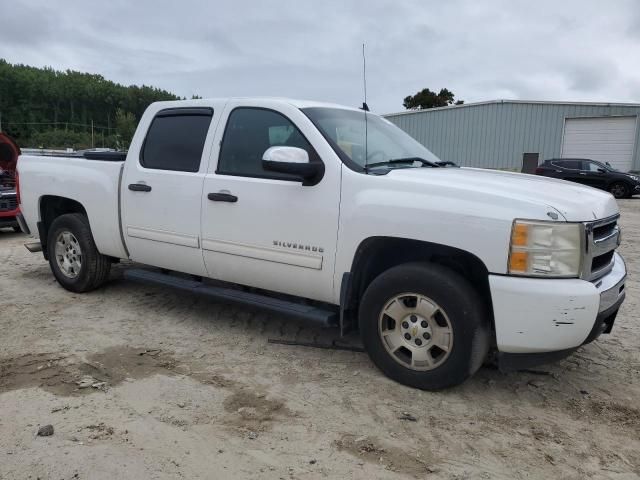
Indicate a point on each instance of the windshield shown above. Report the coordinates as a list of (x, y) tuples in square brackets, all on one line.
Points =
[(372, 143)]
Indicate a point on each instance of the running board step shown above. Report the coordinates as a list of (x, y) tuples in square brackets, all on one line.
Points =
[(323, 316), (33, 247)]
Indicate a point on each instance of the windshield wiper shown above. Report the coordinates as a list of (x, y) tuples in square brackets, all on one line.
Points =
[(395, 161)]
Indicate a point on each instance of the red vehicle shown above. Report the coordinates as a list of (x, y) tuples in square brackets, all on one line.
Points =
[(9, 200)]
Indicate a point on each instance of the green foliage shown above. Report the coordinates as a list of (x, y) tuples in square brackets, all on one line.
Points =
[(125, 126), (59, 139), (428, 99), (46, 106)]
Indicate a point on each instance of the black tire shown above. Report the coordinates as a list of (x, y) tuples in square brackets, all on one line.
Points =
[(619, 190), (17, 229), (466, 312), (95, 267)]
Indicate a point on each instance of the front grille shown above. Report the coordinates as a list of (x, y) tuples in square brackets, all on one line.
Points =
[(601, 241), (602, 231), (601, 261), (7, 180), (8, 204)]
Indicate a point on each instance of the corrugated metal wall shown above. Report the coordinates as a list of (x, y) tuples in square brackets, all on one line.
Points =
[(497, 134)]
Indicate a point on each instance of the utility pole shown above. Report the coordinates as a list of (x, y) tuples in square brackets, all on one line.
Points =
[(0, 121), (92, 142)]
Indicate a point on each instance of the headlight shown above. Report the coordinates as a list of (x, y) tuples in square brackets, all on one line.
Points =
[(634, 177), (545, 249)]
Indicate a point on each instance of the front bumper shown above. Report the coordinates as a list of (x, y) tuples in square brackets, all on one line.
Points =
[(534, 315), (8, 221)]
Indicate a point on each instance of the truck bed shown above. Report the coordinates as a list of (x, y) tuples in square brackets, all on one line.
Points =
[(93, 183)]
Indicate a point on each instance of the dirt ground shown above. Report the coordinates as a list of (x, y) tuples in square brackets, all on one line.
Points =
[(146, 382)]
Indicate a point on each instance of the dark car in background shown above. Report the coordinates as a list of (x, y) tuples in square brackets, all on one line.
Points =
[(591, 173)]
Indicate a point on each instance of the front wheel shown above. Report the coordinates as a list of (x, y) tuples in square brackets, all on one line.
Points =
[(424, 326), (619, 190), (73, 256)]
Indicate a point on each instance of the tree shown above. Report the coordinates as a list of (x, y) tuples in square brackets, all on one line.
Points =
[(43, 106), (428, 99), (125, 127)]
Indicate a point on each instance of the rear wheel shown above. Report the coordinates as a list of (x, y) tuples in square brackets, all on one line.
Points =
[(73, 256), (619, 190), (17, 229), (424, 326)]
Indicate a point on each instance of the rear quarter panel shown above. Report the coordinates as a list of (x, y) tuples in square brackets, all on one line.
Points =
[(92, 183)]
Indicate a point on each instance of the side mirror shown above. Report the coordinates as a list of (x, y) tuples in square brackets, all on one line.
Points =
[(602, 170), (293, 161)]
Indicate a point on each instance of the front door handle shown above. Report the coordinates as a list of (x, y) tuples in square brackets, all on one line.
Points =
[(222, 197), (139, 187)]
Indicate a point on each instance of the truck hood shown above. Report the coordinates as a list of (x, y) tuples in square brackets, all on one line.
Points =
[(9, 152), (573, 201)]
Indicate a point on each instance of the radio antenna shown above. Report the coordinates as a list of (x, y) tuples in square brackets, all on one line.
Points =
[(365, 109)]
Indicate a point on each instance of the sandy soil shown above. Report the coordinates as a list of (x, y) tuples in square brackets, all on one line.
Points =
[(145, 382)]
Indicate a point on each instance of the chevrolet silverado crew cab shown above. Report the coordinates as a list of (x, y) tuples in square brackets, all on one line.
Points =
[(335, 215)]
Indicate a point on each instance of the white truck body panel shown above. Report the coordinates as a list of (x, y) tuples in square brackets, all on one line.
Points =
[(93, 184)]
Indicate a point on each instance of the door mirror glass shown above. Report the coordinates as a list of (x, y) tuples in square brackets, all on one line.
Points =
[(292, 160)]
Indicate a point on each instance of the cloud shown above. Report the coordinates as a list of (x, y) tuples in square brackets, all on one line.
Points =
[(571, 50)]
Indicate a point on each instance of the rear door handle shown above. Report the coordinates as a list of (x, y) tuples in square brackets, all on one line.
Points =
[(139, 187), (222, 197)]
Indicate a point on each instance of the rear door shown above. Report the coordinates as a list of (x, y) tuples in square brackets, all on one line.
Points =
[(570, 170), (162, 190)]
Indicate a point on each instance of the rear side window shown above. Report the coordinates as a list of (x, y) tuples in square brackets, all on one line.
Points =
[(569, 164), (249, 133), (175, 139)]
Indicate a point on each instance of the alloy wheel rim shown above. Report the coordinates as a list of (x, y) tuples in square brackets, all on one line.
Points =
[(618, 190), (415, 331), (68, 254)]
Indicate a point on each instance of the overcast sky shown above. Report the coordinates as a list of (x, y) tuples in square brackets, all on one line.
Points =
[(534, 50)]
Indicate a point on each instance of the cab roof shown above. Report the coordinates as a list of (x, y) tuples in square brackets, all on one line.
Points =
[(289, 101)]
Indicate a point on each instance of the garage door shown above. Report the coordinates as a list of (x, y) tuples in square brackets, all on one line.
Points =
[(606, 139)]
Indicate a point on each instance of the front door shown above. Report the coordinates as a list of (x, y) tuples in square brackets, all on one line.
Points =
[(162, 191), (594, 176), (266, 229)]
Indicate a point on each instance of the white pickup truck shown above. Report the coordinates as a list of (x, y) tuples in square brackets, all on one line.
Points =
[(335, 215)]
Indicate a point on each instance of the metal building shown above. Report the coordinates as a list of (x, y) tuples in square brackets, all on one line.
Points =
[(503, 133)]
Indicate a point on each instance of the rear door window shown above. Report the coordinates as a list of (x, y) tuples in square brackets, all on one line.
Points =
[(569, 164), (175, 139)]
